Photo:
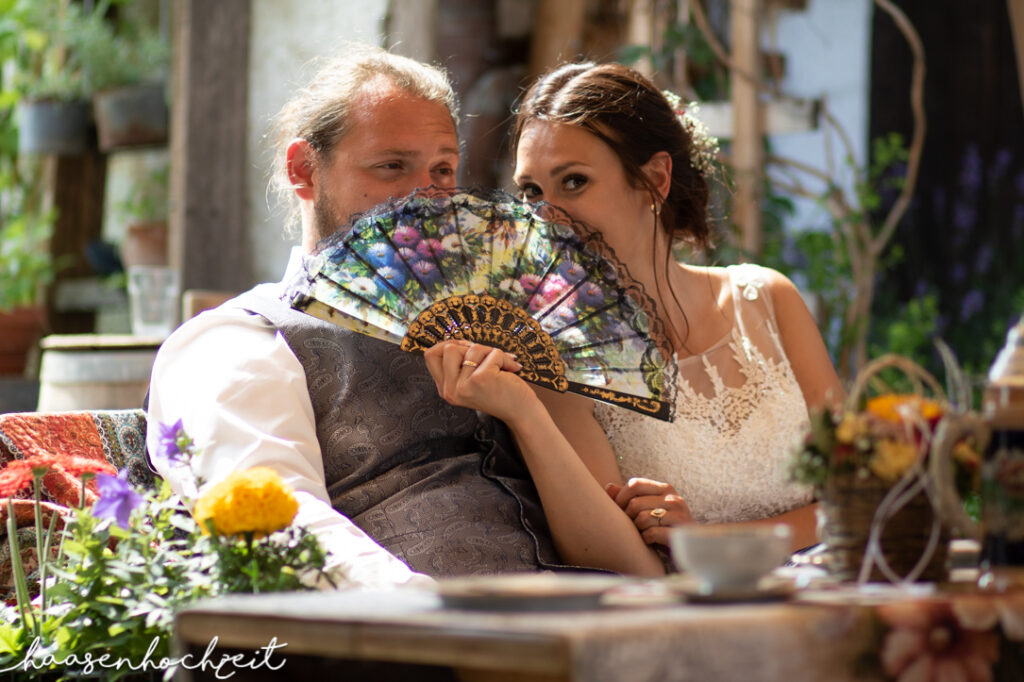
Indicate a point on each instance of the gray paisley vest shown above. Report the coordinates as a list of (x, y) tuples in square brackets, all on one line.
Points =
[(441, 487)]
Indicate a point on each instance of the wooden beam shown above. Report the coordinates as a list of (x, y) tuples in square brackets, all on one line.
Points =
[(209, 200), (1016, 10), (640, 31), (557, 34), (747, 150), (77, 185), (777, 117)]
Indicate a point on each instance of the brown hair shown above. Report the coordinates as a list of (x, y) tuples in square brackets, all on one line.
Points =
[(319, 113), (627, 112)]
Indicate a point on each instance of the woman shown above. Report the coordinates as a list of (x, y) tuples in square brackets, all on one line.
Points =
[(602, 143)]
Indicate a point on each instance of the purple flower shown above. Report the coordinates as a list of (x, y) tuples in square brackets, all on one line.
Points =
[(426, 271), (591, 294), (117, 499), (173, 442), (408, 255), (430, 247), (572, 272), (406, 236)]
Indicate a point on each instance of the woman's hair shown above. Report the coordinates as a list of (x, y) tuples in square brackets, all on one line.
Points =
[(319, 113), (628, 112)]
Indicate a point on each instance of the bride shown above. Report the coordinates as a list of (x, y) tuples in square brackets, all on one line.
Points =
[(603, 143)]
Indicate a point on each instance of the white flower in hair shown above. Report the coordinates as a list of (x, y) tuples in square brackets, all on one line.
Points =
[(704, 147)]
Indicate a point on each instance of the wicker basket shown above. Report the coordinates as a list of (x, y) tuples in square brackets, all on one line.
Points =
[(850, 504)]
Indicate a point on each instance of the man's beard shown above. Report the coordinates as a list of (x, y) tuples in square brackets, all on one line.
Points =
[(326, 215)]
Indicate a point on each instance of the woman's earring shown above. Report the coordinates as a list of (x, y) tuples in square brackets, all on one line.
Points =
[(655, 209)]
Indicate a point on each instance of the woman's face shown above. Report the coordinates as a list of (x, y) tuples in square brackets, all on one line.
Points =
[(576, 171)]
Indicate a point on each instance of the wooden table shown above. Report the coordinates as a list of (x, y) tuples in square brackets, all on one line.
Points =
[(657, 641)]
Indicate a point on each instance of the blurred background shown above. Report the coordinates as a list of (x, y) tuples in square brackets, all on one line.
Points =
[(870, 149)]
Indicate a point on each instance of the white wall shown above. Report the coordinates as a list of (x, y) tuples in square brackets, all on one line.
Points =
[(827, 49), (285, 36)]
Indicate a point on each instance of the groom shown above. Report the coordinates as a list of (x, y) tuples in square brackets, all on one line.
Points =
[(396, 482)]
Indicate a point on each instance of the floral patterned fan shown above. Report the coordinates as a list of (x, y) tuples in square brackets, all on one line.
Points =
[(443, 264)]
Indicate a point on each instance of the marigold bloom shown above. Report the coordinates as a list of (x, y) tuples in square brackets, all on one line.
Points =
[(252, 501), (15, 477), (891, 407), (892, 459)]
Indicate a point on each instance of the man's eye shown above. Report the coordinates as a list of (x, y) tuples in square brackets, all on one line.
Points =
[(391, 165), (446, 170), (574, 182)]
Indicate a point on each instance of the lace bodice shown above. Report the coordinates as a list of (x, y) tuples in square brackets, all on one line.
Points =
[(739, 413)]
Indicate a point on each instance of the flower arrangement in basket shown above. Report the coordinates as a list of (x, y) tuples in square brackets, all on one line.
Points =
[(869, 463)]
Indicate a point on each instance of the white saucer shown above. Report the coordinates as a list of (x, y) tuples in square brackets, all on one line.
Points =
[(766, 590)]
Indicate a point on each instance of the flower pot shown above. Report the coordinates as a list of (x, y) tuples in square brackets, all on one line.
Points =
[(145, 244), (849, 503), (132, 116), (20, 331), (51, 126)]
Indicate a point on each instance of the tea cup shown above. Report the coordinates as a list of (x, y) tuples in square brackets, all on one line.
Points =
[(729, 557)]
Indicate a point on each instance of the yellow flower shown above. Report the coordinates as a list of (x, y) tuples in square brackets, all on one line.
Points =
[(849, 429), (892, 459), (889, 407), (252, 501)]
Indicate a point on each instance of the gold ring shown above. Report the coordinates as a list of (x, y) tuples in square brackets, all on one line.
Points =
[(658, 514), (470, 363)]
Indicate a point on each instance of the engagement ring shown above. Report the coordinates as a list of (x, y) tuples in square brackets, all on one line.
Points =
[(658, 513), (470, 363)]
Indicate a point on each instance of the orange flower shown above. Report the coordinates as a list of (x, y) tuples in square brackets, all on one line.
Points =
[(891, 407), (79, 466), (15, 477)]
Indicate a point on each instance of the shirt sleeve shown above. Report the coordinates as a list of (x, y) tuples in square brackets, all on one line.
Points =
[(242, 397)]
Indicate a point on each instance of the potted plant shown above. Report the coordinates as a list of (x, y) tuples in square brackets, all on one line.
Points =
[(145, 237), (125, 63), (53, 109)]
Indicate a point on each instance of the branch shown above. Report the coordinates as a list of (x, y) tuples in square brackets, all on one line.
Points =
[(800, 166), (917, 141)]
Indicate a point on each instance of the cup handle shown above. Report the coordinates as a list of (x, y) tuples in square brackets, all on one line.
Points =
[(949, 431)]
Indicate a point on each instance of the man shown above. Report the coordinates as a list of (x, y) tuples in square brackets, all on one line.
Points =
[(395, 481)]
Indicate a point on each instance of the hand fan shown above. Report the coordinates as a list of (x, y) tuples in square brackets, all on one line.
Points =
[(442, 264)]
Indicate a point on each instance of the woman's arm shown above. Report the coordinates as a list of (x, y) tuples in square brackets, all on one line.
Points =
[(802, 343), (588, 527)]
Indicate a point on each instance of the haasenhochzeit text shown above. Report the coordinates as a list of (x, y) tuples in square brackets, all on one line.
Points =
[(38, 660)]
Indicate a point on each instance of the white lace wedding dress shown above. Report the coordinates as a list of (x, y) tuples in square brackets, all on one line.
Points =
[(739, 414)]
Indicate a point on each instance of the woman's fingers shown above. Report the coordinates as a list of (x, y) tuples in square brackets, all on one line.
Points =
[(635, 487)]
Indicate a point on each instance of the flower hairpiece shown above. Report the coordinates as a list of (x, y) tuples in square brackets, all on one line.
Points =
[(704, 146)]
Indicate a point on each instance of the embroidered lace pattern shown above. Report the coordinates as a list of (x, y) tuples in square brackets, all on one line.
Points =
[(739, 414)]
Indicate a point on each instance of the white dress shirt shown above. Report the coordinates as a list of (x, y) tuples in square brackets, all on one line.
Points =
[(241, 394)]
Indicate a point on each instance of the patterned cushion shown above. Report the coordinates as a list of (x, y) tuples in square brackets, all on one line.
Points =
[(115, 436)]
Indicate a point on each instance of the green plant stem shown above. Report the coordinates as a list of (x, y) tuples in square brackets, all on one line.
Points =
[(46, 550), (18, 571), (37, 481)]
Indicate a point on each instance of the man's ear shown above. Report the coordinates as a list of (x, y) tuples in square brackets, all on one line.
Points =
[(300, 158), (658, 170)]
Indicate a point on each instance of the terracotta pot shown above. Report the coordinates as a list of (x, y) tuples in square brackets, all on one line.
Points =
[(20, 331), (145, 244)]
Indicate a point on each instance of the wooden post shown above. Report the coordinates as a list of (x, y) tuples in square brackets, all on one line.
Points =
[(1016, 10), (640, 31), (747, 149), (209, 231), (557, 34), (412, 28), (76, 185)]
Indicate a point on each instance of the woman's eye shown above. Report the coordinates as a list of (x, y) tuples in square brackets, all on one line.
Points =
[(530, 192), (574, 182)]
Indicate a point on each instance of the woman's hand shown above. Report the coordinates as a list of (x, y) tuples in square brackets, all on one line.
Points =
[(654, 507), (478, 377)]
